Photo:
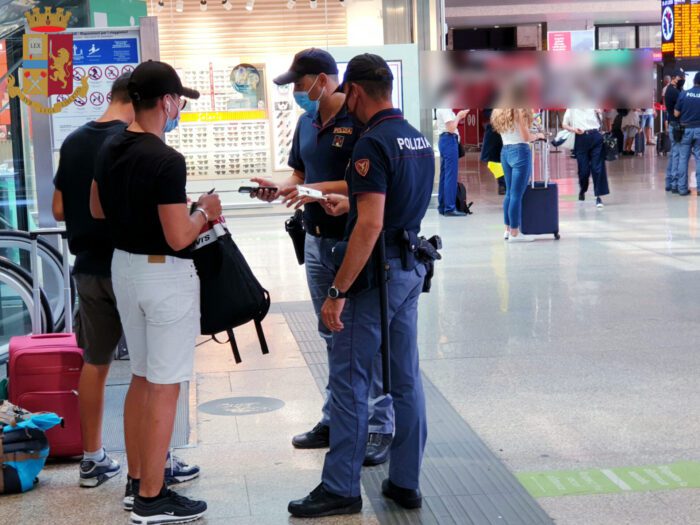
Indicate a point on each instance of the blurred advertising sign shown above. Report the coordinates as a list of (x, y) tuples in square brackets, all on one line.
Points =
[(571, 40), (536, 79)]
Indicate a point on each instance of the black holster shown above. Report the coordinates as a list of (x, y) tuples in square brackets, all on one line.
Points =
[(294, 226), (427, 252)]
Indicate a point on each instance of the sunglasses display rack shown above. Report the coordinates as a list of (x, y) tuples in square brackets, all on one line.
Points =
[(223, 150), (285, 114)]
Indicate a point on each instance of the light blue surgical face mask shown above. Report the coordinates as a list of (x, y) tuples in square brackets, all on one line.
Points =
[(303, 100), (171, 123)]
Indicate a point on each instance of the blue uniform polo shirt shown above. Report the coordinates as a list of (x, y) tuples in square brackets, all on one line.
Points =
[(689, 107), (393, 158), (322, 154)]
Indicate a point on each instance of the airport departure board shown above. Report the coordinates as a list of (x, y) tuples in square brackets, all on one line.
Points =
[(680, 28)]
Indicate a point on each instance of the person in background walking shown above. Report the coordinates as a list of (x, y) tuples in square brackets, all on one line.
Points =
[(588, 149), (491, 152), (516, 157), (448, 145), (648, 115), (630, 128)]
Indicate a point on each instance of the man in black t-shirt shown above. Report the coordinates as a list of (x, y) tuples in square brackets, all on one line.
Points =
[(97, 326), (139, 189)]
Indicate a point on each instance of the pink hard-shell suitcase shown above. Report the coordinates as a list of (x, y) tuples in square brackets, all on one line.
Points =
[(44, 371)]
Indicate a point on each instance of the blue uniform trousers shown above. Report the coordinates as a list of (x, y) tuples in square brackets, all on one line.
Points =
[(355, 349), (449, 168), (320, 273), (673, 160), (690, 143)]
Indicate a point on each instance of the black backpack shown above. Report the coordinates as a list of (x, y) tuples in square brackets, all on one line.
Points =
[(462, 199), (230, 295)]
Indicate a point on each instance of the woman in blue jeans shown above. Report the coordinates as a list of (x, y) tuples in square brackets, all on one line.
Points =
[(516, 157)]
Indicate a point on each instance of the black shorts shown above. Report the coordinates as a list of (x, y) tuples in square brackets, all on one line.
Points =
[(97, 324)]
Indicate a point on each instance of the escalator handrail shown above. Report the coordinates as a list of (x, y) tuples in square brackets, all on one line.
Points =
[(56, 258), (20, 275)]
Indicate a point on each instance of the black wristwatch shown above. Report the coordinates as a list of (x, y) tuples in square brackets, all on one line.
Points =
[(334, 293)]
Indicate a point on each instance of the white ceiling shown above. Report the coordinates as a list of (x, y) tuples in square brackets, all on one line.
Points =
[(577, 13)]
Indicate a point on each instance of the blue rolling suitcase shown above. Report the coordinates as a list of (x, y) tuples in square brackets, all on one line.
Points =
[(541, 200)]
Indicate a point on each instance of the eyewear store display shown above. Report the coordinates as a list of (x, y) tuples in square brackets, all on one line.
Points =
[(242, 125), (225, 133)]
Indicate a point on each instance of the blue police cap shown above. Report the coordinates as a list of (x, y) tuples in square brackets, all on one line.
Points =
[(368, 67), (308, 62)]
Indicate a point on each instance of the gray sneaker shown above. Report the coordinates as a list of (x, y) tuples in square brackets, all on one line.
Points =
[(95, 473)]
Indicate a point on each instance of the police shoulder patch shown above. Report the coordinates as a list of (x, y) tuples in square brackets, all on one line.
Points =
[(362, 167)]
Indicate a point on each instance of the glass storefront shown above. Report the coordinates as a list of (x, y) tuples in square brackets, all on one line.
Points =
[(629, 36), (243, 124)]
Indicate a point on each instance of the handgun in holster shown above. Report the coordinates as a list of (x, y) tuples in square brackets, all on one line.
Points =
[(417, 250)]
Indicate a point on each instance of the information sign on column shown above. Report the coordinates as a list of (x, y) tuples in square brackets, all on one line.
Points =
[(103, 56)]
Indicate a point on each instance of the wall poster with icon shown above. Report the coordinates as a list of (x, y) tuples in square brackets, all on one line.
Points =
[(102, 56), (224, 134)]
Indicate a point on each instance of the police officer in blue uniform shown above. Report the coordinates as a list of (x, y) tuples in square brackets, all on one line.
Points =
[(323, 142), (688, 112), (673, 91), (390, 181)]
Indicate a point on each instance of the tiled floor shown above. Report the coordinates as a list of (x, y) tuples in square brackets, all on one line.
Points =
[(559, 354)]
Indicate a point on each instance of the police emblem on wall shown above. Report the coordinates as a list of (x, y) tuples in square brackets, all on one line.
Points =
[(47, 67)]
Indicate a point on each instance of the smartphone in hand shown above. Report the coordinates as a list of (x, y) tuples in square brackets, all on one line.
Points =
[(255, 189)]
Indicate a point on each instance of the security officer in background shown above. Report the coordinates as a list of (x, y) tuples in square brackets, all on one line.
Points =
[(688, 112), (671, 94), (323, 142), (390, 181)]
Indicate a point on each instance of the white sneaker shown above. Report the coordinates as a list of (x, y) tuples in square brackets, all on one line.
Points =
[(521, 238), (599, 202), (506, 234)]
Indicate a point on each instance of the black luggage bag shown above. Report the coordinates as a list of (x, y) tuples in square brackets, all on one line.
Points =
[(540, 209), (663, 143)]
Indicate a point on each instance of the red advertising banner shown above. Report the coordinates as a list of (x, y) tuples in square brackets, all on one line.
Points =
[(559, 41), (60, 64)]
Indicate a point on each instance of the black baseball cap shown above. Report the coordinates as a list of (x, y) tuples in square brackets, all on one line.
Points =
[(367, 67), (311, 61), (680, 72), (154, 79)]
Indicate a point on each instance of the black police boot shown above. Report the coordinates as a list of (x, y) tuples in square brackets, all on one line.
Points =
[(407, 498), (317, 437), (323, 503), (378, 446)]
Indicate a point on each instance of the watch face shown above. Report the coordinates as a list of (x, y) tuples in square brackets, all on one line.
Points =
[(333, 293)]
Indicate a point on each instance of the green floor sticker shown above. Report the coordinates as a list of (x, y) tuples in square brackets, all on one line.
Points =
[(606, 481)]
